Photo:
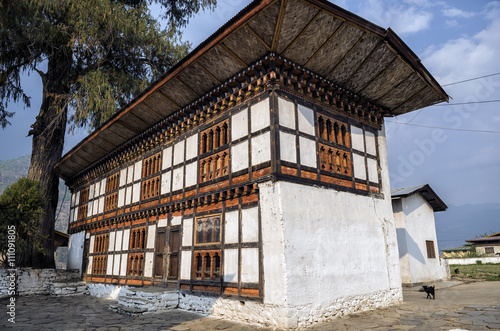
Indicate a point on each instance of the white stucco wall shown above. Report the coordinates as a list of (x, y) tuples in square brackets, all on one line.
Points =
[(75, 251), (415, 226), (326, 253)]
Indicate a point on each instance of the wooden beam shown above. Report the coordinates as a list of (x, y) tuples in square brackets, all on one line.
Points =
[(279, 23)]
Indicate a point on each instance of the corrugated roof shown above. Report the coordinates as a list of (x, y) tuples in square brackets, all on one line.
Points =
[(432, 198), (365, 59)]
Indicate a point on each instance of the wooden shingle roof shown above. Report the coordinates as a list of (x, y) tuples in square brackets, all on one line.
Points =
[(367, 60)]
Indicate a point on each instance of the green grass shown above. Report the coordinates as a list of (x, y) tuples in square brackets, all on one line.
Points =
[(486, 271)]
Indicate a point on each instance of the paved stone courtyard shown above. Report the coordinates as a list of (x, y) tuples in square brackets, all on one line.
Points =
[(474, 306)]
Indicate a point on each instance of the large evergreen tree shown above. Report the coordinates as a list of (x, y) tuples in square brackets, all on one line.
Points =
[(93, 57)]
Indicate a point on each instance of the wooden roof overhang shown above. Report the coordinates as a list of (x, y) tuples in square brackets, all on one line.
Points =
[(370, 62)]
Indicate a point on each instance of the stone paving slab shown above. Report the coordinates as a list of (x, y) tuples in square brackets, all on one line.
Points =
[(473, 306)]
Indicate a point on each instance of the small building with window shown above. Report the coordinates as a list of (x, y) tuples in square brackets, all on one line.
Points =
[(419, 260), (252, 177), (489, 245)]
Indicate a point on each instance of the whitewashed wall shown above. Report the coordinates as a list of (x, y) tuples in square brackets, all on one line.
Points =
[(75, 251), (416, 225)]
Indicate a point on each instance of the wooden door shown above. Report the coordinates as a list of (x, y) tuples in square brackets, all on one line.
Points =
[(85, 261), (159, 254), (173, 255)]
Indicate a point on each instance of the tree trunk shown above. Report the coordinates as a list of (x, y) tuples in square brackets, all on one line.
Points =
[(48, 142)]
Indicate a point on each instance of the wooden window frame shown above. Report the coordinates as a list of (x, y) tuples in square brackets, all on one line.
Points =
[(205, 219), (431, 252)]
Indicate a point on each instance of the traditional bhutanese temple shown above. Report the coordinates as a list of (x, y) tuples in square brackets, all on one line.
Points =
[(252, 177)]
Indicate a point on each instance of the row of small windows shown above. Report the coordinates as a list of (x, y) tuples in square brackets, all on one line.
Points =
[(207, 265), (333, 131), (101, 243), (215, 137), (151, 165), (135, 264), (334, 160), (214, 167), (150, 188), (99, 265), (111, 201), (138, 238), (112, 183), (82, 212), (84, 195)]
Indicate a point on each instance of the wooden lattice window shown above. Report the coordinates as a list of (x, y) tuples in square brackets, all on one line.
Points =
[(208, 230), (431, 254), (101, 243), (333, 131), (214, 137), (99, 265), (111, 199), (151, 165), (335, 160), (214, 166), (112, 183), (150, 188), (138, 238), (135, 264), (207, 265), (84, 198), (489, 250)]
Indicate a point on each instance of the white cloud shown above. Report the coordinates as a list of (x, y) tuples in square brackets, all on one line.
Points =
[(451, 23), (455, 12), (404, 18)]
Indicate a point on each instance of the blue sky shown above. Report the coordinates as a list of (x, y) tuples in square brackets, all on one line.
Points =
[(456, 40)]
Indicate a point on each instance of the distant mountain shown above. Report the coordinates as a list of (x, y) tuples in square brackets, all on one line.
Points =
[(459, 223), (12, 170)]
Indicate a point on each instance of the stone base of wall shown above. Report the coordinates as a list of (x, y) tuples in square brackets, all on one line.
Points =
[(29, 281), (255, 312)]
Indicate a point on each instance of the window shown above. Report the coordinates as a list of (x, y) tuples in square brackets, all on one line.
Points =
[(214, 137), (335, 160), (208, 230), (489, 250), (138, 238), (150, 167), (333, 131), (84, 198), (135, 264), (431, 254), (111, 200), (101, 243), (214, 166), (206, 265), (99, 265)]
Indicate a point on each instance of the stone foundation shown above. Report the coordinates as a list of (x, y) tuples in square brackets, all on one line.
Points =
[(293, 316), (35, 281)]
